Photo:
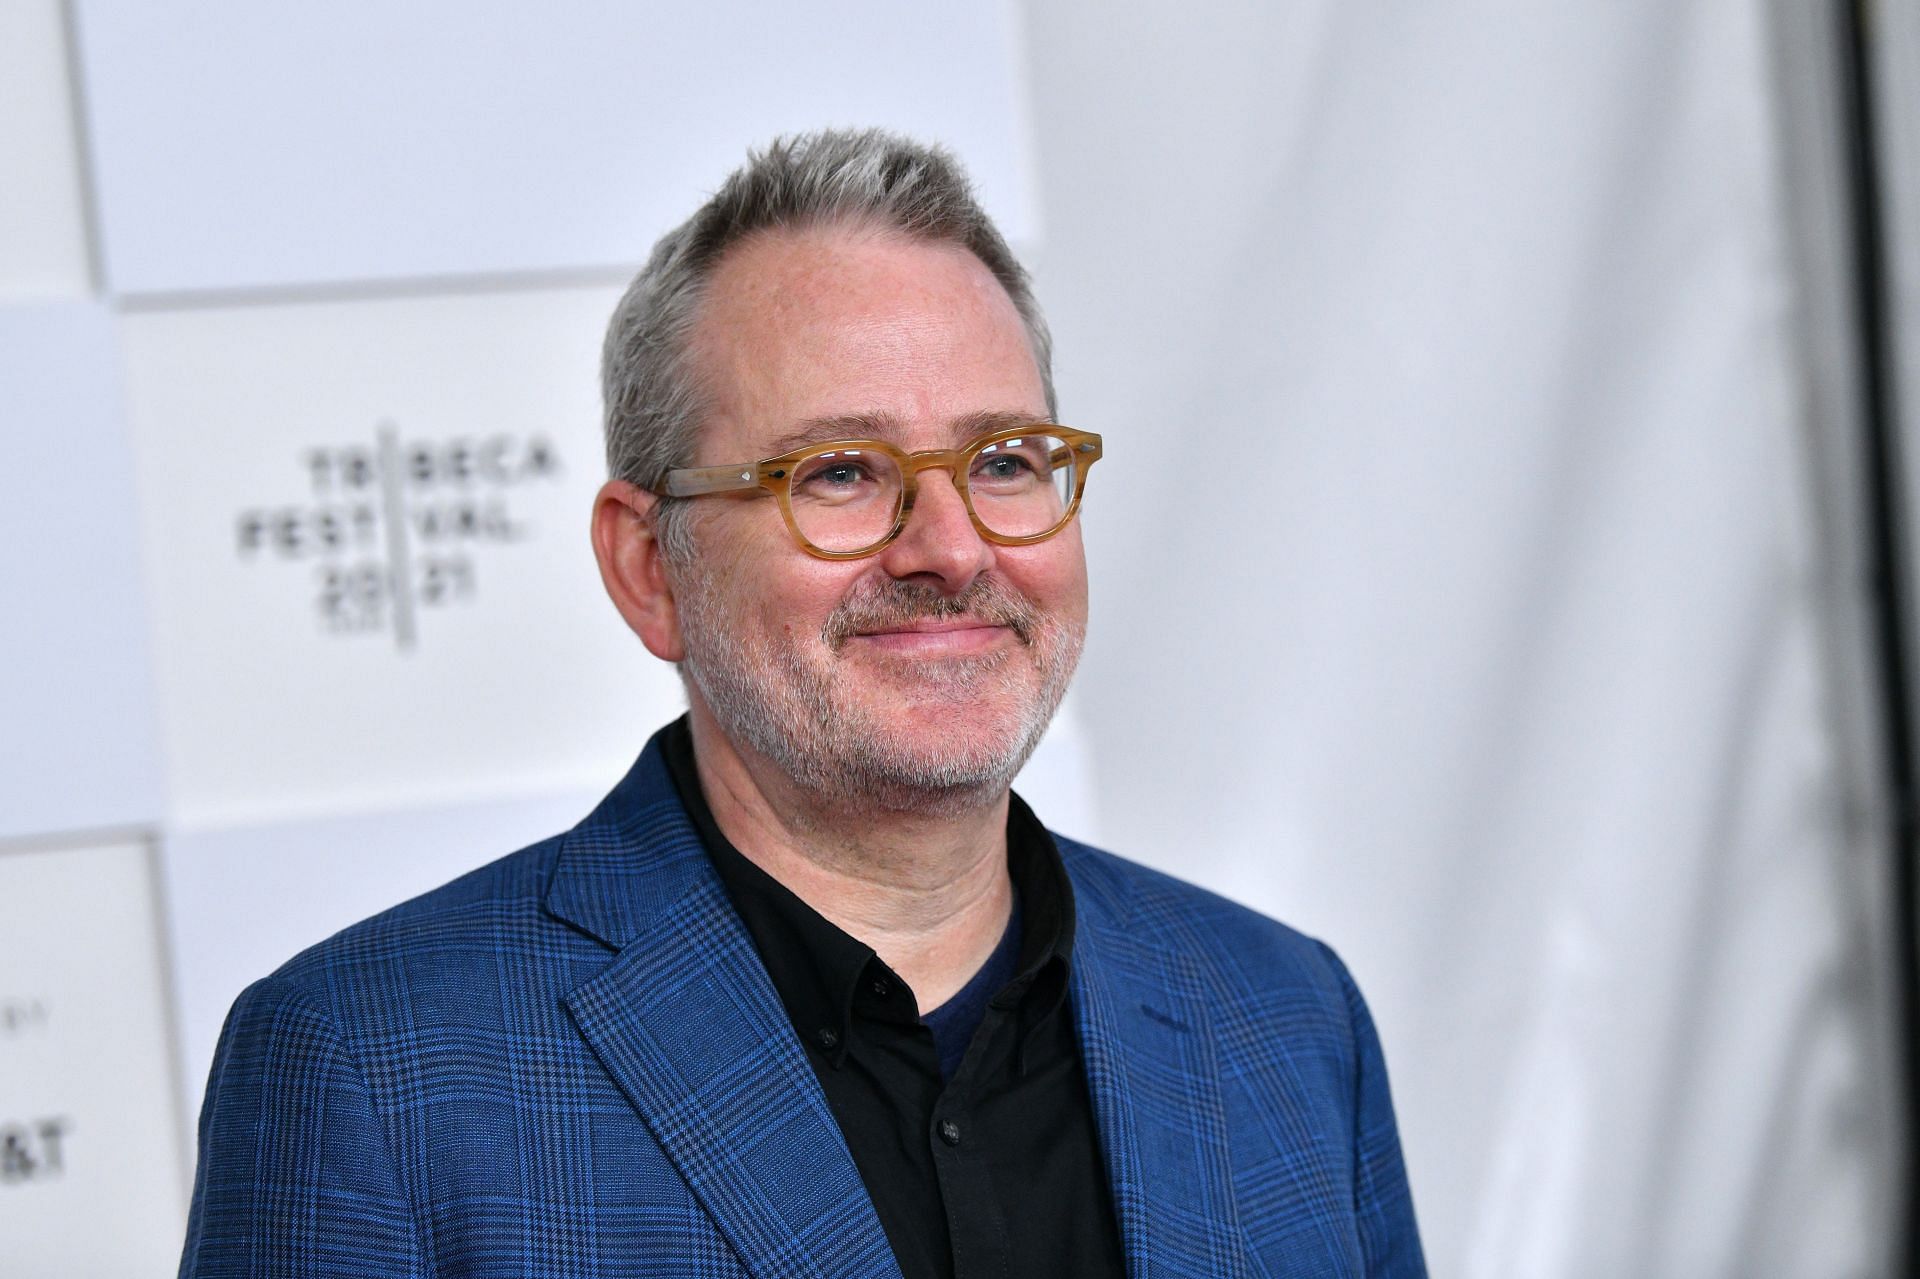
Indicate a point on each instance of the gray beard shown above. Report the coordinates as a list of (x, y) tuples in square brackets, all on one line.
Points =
[(775, 703)]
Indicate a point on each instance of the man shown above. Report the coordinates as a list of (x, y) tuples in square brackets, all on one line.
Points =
[(811, 992)]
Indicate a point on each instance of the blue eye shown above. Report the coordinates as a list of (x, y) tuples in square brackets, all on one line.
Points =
[(834, 471), (842, 477), (1007, 469)]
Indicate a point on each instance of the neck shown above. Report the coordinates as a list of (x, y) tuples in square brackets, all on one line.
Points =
[(926, 887)]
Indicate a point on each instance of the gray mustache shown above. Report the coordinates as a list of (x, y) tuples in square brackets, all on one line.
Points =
[(898, 603)]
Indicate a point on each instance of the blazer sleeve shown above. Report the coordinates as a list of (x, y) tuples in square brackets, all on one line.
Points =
[(1382, 1200), (295, 1176)]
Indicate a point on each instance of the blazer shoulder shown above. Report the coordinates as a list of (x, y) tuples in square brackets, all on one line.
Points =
[(1230, 940), (459, 924)]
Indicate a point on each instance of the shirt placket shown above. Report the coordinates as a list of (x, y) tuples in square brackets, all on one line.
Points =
[(962, 1164)]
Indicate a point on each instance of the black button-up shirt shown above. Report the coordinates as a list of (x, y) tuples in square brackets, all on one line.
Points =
[(986, 1163)]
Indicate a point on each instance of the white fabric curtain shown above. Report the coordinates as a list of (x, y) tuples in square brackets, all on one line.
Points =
[(1459, 584)]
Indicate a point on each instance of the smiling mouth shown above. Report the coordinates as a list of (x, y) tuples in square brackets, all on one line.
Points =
[(912, 618), (937, 637), (934, 626)]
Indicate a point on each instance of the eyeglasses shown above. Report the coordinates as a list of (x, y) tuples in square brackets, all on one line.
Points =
[(843, 499)]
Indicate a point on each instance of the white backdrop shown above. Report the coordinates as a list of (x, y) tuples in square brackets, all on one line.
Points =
[(1492, 655), (1489, 651)]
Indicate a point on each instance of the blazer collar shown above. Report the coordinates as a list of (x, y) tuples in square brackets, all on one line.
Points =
[(686, 1021), (1148, 1048), (633, 857)]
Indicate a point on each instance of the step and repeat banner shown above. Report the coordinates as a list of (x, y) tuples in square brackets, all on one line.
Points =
[(300, 316), (89, 1137)]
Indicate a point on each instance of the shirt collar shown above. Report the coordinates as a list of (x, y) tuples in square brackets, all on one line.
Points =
[(820, 971)]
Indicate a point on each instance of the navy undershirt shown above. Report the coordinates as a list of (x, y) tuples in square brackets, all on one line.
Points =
[(954, 1022)]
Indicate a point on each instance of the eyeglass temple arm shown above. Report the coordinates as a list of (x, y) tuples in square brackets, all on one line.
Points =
[(694, 481)]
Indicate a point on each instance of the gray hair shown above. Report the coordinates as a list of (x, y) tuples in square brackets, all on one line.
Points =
[(654, 400)]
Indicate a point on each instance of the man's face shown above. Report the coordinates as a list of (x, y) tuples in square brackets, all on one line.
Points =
[(928, 671)]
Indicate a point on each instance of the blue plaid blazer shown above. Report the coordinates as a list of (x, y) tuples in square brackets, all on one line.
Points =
[(572, 1062)]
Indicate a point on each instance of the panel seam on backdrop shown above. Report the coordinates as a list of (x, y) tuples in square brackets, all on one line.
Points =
[(61, 841), (160, 905), (78, 121), (385, 289)]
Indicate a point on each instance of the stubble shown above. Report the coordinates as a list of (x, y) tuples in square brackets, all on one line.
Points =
[(795, 704)]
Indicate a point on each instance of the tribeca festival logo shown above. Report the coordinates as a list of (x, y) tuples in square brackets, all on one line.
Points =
[(396, 528)]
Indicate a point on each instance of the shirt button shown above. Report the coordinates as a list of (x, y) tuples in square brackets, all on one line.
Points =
[(881, 988), (827, 1038), (950, 1132)]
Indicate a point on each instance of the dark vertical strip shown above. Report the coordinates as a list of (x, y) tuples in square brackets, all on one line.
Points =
[(399, 564), (1891, 569)]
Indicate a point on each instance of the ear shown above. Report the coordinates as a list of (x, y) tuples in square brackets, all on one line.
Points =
[(633, 568)]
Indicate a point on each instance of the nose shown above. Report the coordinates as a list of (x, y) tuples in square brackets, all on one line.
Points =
[(939, 541)]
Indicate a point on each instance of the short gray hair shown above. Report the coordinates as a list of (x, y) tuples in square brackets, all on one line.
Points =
[(653, 397)]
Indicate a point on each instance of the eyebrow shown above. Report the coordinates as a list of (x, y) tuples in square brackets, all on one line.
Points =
[(885, 426)]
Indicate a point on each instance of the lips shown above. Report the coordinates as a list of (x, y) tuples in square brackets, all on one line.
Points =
[(939, 637), (906, 614), (935, 626)]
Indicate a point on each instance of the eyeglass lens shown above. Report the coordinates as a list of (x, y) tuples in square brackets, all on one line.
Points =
[(848, 499)]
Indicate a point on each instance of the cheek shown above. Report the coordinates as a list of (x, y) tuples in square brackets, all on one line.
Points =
[(1052, 574), (799, 596), (766, 582)]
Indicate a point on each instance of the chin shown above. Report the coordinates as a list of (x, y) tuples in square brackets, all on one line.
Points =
[(936, 749), (933, 783)]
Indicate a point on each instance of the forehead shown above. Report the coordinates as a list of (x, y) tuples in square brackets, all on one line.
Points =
[(800, 327)]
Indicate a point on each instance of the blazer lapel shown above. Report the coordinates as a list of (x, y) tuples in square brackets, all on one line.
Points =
[(1154, 1079), (688, 1025)]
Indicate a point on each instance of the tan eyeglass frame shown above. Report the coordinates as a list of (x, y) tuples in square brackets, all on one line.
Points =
[(775, 475)]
